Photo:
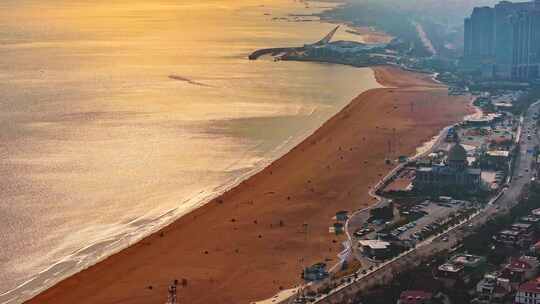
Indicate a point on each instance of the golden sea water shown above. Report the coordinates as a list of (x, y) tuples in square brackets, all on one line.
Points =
[(117, 117)]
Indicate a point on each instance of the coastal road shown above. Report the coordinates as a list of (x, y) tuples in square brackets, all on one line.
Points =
[(523, 171)]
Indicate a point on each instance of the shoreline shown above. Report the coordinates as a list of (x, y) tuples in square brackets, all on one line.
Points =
[(156, 224), (34, 286), (140, 254)]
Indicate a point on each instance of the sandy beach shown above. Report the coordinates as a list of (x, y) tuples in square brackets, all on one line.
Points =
[(250, 242)]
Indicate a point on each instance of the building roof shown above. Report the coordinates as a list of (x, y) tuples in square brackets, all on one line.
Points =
[(451, 267), (509, 232), (414, 296), (499, 153), (521, 225), (530, 219), (503, 104), (531, 286), (483, 118), (518, 265), (374, 244), (457, 153), (467, 259)]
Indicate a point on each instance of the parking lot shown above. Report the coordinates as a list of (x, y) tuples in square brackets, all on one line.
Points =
[(435, 212)]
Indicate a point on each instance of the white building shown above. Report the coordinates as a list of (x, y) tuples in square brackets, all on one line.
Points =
[(492, 284), (374, 248)]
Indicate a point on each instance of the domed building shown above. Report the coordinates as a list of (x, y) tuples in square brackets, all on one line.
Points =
[(453, 176), (457, 157)]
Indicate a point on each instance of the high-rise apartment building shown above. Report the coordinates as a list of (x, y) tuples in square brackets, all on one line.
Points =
[(482, 20), (479, 35), (526, 45), (505, 38), (467, 49)]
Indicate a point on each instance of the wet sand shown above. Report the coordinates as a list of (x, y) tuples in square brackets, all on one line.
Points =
[(250, 242)]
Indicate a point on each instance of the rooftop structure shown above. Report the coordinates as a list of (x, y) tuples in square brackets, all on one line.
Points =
[(516, 236), (482, 120), (498, 153), (528, 293), (415, 297), (492, 283), (496, 159), (468, 260), (520, 234), (503, 105), (374, 244), (509, 232), (449, 273), (451, 268), (376, 249), (521, 269), (536, 212), (521, 226), (530, 219), (519, 265)]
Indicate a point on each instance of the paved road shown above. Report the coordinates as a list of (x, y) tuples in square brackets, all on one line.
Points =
[(522, 171)]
